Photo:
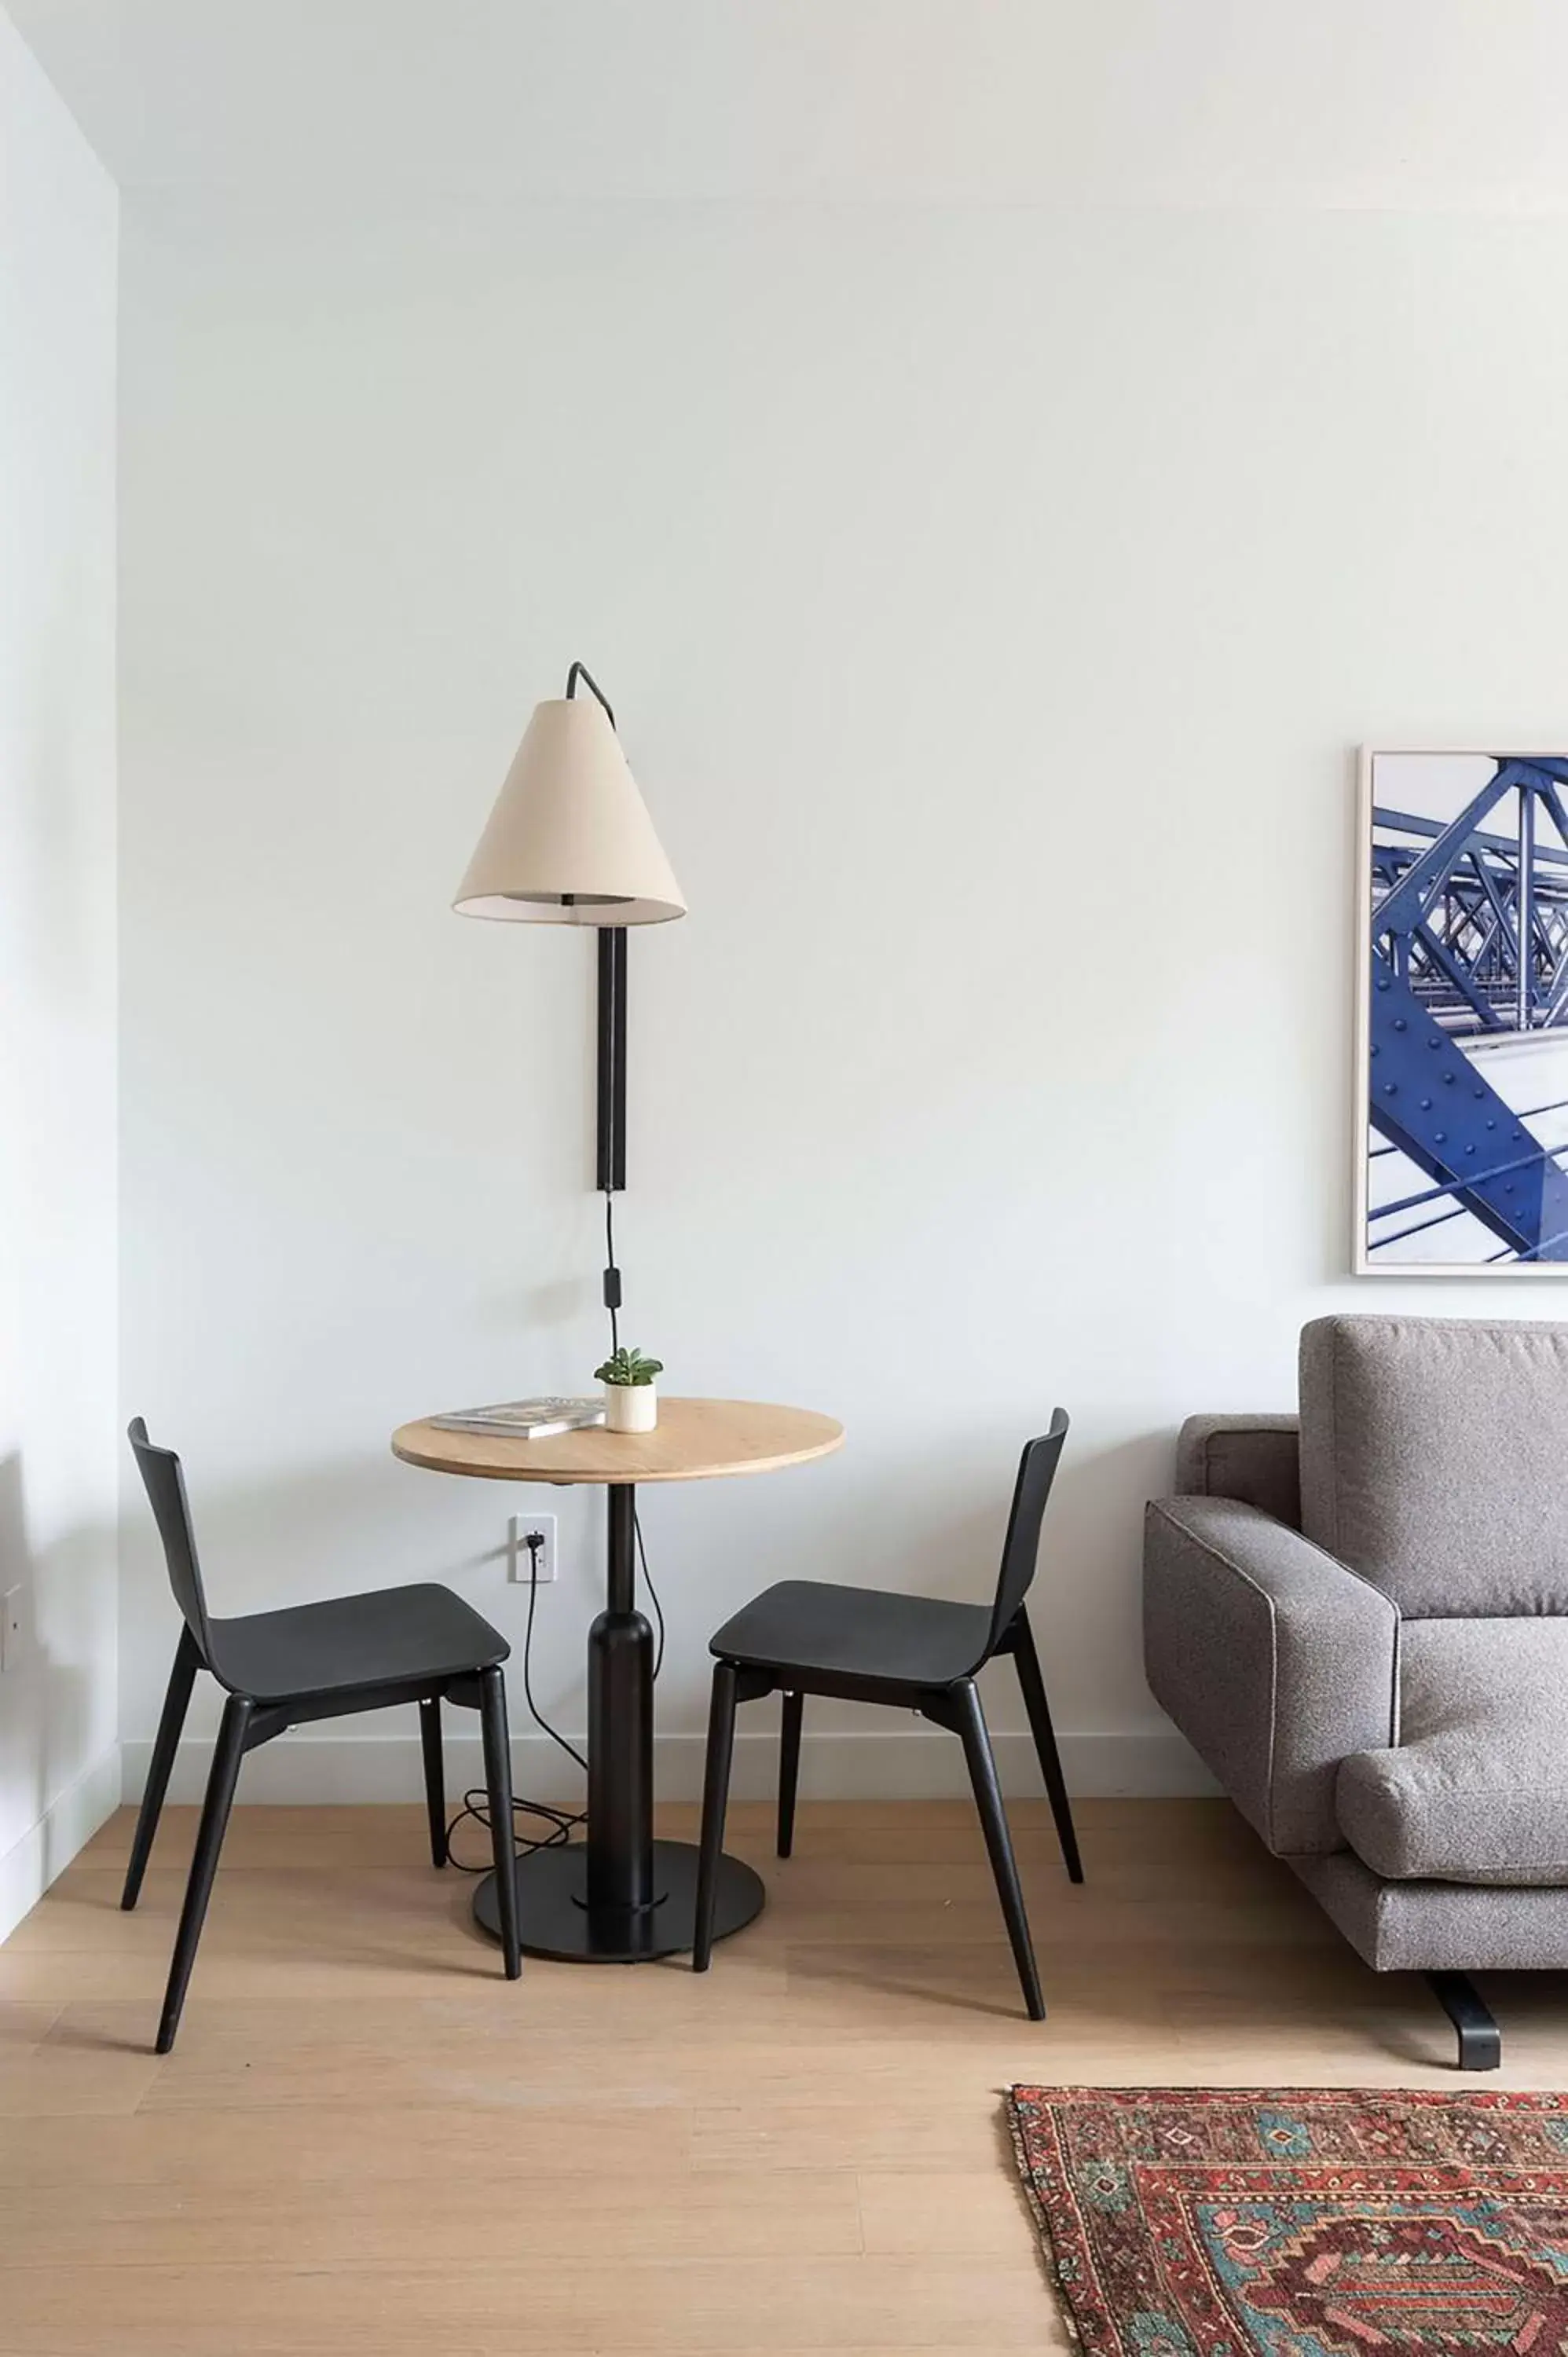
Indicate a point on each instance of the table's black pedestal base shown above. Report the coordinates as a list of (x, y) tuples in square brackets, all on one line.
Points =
[(556, 1920), (553, 1916)]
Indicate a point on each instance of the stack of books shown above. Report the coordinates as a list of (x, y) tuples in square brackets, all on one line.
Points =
[(531, 1419)]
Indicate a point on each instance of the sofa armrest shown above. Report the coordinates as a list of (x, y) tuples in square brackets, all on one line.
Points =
[(1254, 1457), (1273, 1660)]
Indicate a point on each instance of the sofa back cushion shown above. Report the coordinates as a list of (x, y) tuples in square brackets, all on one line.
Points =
[(1435, 1460)]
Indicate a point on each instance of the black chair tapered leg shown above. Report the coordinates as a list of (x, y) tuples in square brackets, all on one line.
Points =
[(497, 1742), (181, 1678), (716, 1802), (221, 1782), (970, 1720), (1035, 1703), (789, 1771), (434, 1776)]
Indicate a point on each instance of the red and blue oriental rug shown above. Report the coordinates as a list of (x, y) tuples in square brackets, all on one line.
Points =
[(1303, 2222)]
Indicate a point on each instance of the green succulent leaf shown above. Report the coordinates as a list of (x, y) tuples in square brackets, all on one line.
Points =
[(628, 1367)]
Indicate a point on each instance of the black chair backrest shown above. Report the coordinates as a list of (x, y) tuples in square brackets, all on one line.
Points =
[(1020, 1549), (165, 1484)]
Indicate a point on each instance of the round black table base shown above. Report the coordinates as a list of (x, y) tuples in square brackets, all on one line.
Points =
[(556, 1920)]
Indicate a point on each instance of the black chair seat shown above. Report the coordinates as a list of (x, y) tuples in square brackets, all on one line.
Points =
[(382, 1639), (815, 1626)]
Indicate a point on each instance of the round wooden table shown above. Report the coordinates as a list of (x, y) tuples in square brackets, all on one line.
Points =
[(620, 1897)]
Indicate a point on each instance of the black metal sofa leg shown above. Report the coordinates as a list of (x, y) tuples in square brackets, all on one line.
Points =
[(1480, 2040)]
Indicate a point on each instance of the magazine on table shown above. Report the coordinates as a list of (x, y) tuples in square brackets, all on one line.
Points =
[(530, 1419)]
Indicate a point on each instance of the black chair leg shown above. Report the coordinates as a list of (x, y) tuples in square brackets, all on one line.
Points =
[(971, 1724), (435, 1775), (715, 1802), (789, 1771), (220, 1784), (497, 1742), (1035, 1703), (181, 1678)]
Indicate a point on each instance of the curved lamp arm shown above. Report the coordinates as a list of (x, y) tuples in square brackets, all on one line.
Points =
[(580, 672)]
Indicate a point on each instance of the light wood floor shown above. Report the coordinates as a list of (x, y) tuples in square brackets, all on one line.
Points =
[(368, 2144)]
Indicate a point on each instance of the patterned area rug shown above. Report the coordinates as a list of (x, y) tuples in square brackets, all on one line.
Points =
[(1301, 2223)]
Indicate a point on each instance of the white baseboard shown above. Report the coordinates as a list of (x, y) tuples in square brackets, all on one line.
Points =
[(913, 1764), (30, 1865)]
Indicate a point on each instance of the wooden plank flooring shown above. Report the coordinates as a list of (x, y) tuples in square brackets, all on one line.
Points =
[(368, 2144)]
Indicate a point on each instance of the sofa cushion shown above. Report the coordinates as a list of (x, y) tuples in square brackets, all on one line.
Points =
[(1478, 1788), (1435, 1460)]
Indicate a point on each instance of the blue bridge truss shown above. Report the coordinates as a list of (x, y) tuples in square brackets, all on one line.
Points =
[(1470, 937)]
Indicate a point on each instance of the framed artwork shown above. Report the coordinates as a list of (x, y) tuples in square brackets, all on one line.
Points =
[(1462, 1025)]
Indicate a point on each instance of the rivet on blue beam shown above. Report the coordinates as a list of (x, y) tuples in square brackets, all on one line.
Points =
[(1391, 1088), (1441, 1136), (1447, 1079), (1400, 1023), (1426, 1104), (1383, 981)]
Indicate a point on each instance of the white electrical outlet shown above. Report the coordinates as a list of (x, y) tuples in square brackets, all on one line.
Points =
[(10, 1630), (526, 1563)]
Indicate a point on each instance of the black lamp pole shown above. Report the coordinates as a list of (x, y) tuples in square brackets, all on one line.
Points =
[(611, 1088), (612, 1010)]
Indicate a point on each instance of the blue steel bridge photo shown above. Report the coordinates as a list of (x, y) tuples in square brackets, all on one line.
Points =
[(1467, 1012)]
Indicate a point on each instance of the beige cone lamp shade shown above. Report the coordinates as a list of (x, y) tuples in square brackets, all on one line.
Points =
[(569, 841)]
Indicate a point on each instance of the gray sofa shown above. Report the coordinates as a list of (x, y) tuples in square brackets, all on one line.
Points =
[(1359, 1616)]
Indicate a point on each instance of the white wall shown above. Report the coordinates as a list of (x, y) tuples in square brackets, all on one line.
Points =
[(992, 598), (58, 1757)]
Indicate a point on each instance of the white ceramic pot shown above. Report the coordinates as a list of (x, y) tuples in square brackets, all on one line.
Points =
[(631, 1407)]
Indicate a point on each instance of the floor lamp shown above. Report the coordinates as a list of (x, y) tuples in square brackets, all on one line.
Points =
[(569, 842)]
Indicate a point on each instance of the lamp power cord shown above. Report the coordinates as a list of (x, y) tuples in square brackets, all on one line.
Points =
[(561, 1824)]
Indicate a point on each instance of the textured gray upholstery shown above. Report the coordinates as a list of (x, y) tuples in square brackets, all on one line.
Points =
[(1253, 1457), (1477, 1791), (1434, 1456), (1439, 1927), (1273, 1660), (1384, 1692)]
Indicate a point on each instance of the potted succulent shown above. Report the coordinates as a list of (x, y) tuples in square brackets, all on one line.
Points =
[(631, 1399)]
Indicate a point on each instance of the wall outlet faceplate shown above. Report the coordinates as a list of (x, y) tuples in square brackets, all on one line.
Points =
[(526, 1563)]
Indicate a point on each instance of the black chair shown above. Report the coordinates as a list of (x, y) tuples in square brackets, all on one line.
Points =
[(916, 1652), (313, 1661)]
